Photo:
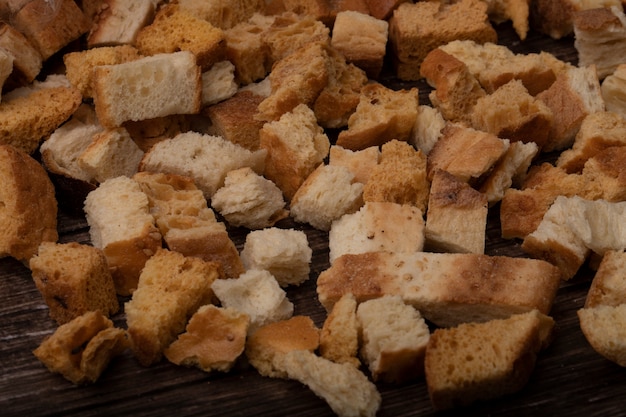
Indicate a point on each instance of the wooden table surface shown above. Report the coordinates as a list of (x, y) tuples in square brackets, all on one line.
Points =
[(569, 378)]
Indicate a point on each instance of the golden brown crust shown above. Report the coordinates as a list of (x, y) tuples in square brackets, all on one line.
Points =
[(28, 207), (609, 285)]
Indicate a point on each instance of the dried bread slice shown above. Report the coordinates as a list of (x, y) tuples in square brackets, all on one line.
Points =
[(28, 206), (480, 361), (446, 288)]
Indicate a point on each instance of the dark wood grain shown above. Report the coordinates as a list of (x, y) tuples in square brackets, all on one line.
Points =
[(569, 378)]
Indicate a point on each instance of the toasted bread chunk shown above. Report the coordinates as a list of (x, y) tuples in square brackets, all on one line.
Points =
[(266, 347), (290, 32), (218, 83), (456, 89), (339, 338), (326, 195), (175, 29), (427, 130), (575, 94), (187, 224), (27, 60), (446, 288), (598, 130), (608, 286), (480, 361), (205, 158), (394, 337), (171, 288), (362, 39), (257, 294), (79, 65), (456, 220), (556, 17), (377, 226), (383, 9), (466, 153), (125, 232), (247, 51), (81, 349), (285, 253), (400, 177), (223, 14), (247, 199), (28, 207), (512, 113), (295, 146), (440, 24), (613, 91), (213, 340), (73, 279), (517, 11), (346, 389), (381, 115), (604, 327), (605, 170), (118, 22), (360, 163)]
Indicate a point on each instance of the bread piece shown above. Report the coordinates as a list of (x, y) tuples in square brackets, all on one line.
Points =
[(73, 279), (205, 158), (118, 22), (233, 119), (112, 153), (339, 338), (517, 11), (439, 24), (171, 288), (266, 347), (340, 97), (612, 89), (296, 79), (247, 199), (125, 232), (30, 114), (575, 94), (427, 129), (295, 146), (394, 337), (79, 65), (187, 224), (347, 390), (81, 349), (456, 89), (608, 286), (446, 288), (146, 88), (605, 170), (63, 25), (512, 113), (223, 14), (28, 207), (146, 133), (218, 83), (377, 226), (290, 32), (604, 328), (600, 38), (27, 60), (6, 66), (284, 253), (598, 131), (456, 220), (466, 153), (175, 29), (556, 17), (481, 361), (381, 115), (495, 65), (257, 294), (362, 39), (383, 9), (360, 163), (510, 171), (247, 51), (213, 340)]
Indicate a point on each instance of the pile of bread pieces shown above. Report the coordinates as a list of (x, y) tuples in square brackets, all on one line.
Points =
[(170, 122)]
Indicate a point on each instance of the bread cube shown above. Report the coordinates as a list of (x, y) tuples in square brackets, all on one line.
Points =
[(339, 338)]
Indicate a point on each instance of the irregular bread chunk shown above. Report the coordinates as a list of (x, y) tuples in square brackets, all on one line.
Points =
[(73, 279), (28, 207), (222, 13), (339, 338), (171, 289), (446, 288), (360, 163), (27, 61), (394, 337), (481, 361), (608, 286), (218, 83), (213, 340), (118, 22), (81, 349), (613, 90), (604, 327)]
